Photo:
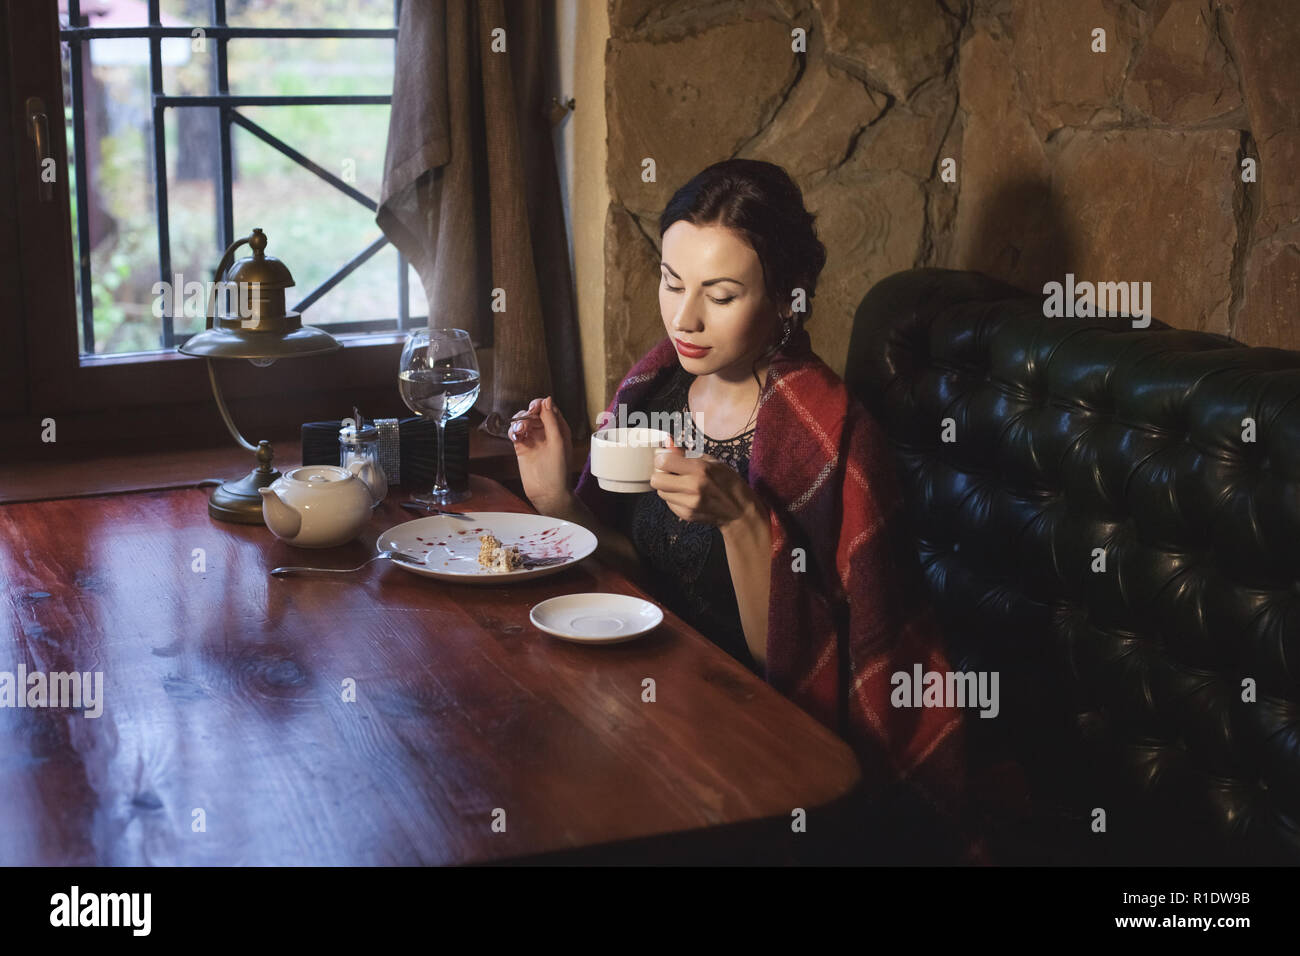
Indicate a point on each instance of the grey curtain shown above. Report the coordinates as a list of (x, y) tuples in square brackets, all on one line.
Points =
[(471, 195)]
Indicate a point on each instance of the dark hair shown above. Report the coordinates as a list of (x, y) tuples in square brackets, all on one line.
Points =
[(761, 202)]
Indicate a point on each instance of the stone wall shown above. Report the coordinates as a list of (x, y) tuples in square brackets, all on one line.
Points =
[(1116, 165)]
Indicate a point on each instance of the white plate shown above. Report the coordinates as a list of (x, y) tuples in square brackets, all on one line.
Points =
[(595, 618), (450, 546)]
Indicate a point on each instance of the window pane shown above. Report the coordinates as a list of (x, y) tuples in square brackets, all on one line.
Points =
[(189, 66), (348, 141), (312, 226), (193, 167), (368, 293), (117, 14), (419, 308), (288, 65), (119, 219), (197, 13), (132, 13), (347, 14), (312, 14)]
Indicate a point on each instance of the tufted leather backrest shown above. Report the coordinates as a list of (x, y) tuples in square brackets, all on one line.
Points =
[(1115, 529)]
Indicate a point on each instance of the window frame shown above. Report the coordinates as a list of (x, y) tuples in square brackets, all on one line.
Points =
[(99, 401)]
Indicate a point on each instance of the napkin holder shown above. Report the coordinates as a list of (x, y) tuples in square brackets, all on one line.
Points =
[(408, 451)]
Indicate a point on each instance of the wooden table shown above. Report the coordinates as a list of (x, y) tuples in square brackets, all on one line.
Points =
[(224, 706)]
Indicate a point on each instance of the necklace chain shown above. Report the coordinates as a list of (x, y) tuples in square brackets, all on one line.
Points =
[(743, 427)]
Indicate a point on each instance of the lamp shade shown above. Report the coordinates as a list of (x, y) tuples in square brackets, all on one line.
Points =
[(250, 320), (230, 341)]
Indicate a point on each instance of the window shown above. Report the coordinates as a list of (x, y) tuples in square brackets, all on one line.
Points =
[(186, 125)]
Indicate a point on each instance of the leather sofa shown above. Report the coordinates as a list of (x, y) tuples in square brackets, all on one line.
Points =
[(1109, 517)]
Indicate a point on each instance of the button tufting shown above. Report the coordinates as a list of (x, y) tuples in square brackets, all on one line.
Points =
[(1131, 699)]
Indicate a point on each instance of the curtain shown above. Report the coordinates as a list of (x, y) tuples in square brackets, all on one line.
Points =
[(471, 195)]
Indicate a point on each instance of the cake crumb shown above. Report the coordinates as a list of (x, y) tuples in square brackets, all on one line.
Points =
[(495, 557)]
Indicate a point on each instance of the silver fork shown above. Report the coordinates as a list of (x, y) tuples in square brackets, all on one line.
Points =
[(391, 555)]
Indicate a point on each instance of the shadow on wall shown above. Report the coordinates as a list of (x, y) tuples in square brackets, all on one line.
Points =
[(1022, 237)]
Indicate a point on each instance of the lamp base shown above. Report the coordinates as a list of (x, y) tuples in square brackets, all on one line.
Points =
[(238, 500)]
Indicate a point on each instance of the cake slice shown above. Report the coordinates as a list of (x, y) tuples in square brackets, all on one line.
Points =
[(496, 557)]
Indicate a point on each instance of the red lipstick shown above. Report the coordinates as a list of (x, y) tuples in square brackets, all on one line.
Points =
[(690, 351)]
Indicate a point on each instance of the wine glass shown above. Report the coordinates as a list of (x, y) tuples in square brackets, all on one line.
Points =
[(439, 379)]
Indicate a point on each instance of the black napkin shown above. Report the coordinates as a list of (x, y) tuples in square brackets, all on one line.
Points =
[(418, 450)]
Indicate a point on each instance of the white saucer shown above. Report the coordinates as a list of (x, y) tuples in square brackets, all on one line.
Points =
[(595, 618)]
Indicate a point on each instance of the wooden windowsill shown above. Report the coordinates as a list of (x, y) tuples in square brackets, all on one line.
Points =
[(39, 481)]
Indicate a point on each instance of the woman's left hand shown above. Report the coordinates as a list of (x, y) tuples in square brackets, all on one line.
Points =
[(703, 489)]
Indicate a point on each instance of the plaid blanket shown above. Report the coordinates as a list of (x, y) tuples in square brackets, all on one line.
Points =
[(847, 617)]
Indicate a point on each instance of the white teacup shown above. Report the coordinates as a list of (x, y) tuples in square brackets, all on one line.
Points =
[(623, 459)]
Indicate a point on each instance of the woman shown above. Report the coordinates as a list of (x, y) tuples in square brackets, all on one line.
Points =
[(784, 541)]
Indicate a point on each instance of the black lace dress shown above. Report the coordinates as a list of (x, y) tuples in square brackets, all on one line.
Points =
[(688, 560)]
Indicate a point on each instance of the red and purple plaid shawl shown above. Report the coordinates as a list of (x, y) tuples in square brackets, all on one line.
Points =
[(839, 630)]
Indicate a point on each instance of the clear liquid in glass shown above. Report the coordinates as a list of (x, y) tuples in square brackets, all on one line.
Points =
[(444, 393)]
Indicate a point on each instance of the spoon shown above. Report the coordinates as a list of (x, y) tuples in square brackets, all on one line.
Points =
[(391, 555)]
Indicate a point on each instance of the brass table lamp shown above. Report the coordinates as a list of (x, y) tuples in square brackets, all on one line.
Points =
[(267, 332)]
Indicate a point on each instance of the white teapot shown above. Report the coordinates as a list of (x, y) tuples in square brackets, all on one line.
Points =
[(321, 506)]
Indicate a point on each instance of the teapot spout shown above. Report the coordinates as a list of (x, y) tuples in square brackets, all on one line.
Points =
[(283, 519)]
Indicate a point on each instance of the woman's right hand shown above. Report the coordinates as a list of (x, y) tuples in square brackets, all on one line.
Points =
[(542, 451)]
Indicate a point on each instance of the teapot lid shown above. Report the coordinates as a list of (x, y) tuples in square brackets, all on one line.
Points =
[(320, 474)]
